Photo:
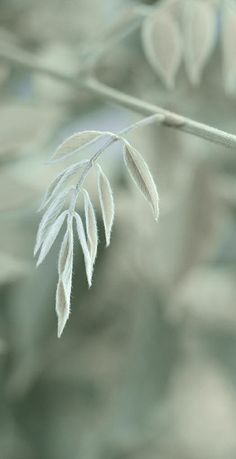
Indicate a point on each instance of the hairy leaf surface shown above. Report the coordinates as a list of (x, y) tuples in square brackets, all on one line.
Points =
[(60, 180), (91, 226), (142, 177), (85, 249), (48, 218), (76, 142), (106, 203), (51, 237), (65, 270)]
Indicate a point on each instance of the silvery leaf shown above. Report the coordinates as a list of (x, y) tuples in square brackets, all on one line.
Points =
[(91, 226), (162, 45), (142, 177), (48, 218), (76, 142), (106, 203), (65, 261), (57, 183), (228, 37), (84, 246), (199, 33), (65, 270), (51, 237), (62, 305)]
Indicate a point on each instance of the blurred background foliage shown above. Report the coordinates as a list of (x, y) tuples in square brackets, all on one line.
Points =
[(146, 367)]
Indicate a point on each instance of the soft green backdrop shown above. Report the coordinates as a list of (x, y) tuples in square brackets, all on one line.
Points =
[(146, 367)]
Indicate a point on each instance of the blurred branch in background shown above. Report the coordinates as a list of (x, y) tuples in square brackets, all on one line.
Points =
[(26, 61)]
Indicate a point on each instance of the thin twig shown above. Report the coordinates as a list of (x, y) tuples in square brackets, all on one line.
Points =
[(26, 61)]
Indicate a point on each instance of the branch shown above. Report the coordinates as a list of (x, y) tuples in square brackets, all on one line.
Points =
[(171, 119), (27, 61)]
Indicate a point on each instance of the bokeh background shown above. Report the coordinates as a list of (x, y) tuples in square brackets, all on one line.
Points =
[(146, 366)]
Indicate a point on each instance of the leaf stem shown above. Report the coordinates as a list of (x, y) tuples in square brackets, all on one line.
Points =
[(150, 119)]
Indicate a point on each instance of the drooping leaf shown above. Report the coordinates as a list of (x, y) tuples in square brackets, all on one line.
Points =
[(199, 34), (91, 226), (48, 218), (57, 183), (65, 260), (142, 177), (62, 306), (65, 269), (51, 237), (85, 249), (106, 203), (76, 142), (162, 45)]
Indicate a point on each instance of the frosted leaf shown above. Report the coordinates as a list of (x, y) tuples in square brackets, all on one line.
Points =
[(57, 183), (162, 45), (84, 246), (62, 306), (106, 203), (48, 218), (228, 37), (65, 261), (199, 34), (91, 226), (76, 142), (65, 269), (51, 237), (142, 177)]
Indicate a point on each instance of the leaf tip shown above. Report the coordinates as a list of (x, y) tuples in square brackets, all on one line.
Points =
[(39, 261), (108, 241), (90, 277), (60, 328)]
